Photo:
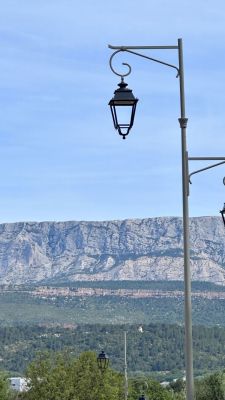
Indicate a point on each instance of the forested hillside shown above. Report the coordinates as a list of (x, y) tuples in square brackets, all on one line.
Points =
[(157, 350)]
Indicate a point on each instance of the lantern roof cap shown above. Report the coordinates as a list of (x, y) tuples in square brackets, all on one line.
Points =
[(123, 94)]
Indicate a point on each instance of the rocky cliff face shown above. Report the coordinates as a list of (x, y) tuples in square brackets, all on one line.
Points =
[(140, 249)]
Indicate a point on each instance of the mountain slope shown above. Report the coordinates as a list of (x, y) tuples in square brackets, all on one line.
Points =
[(138, 249)]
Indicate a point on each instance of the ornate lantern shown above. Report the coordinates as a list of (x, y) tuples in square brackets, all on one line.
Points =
[(123, 107), (222, 212), (103, 361)]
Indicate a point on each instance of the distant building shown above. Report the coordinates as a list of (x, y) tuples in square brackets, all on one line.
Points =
[(19, 384), (164, 384)]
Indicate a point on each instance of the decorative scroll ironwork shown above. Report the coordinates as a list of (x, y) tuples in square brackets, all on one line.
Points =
[(113, 70)]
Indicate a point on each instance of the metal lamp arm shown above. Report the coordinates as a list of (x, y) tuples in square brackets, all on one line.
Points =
[(140, 55), (204, 169)]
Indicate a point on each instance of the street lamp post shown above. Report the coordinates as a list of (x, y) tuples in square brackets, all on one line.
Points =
[(125, 367), (120, 100)]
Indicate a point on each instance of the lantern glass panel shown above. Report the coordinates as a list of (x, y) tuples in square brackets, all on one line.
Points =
[(123, 114)]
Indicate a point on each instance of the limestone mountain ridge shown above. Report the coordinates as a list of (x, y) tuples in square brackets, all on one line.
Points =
[(132, 249)]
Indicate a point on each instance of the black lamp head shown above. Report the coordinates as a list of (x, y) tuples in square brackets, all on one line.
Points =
[(123, 99), (222, 212), (103, 361)]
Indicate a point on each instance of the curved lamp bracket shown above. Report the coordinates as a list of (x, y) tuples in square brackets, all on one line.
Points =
[(140, 55), (113, 70), (209, 167)]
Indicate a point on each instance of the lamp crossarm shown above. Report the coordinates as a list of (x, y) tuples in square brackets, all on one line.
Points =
[(141, 47), (205, 168), (126, 49)]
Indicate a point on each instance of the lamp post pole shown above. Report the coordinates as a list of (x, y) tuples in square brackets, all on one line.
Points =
[(186, 235), (124, 97), (125, 367)]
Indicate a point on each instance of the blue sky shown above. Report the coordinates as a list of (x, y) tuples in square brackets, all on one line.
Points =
[(60, 157)]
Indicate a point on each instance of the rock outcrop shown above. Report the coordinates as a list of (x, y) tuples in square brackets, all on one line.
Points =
[(139, 249)]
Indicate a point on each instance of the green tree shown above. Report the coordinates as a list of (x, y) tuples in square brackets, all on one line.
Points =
[(151, 389), (5, 391), (211, 387), (48, 378), (57, 376), (92, 384), (178, 385)]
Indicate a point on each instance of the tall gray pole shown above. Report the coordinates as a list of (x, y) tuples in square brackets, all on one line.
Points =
[(187, 273), (125, 367)]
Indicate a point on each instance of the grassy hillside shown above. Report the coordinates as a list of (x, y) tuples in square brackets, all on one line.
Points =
[(19, 306)]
